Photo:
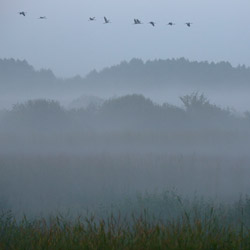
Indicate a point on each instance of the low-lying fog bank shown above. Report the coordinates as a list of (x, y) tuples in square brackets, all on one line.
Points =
[(43, 184), (91, 159)]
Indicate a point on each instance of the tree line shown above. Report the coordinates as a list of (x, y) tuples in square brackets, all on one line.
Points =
[(130, 112)]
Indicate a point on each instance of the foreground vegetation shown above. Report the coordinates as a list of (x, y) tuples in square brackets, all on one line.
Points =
[(182, 234), (211, 228)]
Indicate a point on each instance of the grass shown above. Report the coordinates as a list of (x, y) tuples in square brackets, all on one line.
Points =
[(211, 228), (36, 185)]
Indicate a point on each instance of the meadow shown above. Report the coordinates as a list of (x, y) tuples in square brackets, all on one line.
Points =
[(124, 202), (198, 225)]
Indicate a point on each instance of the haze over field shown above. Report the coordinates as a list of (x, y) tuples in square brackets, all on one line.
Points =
[(92, 158), (91, 114)]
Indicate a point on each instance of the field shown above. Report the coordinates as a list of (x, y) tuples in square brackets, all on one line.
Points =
[(151, 201), (198, 226)]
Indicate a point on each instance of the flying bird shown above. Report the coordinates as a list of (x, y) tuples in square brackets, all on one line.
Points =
[(92, 19), (152, 23), (188, 24), (171, 23), (22, 13), (106, 20), (137, 21), (42, 17)]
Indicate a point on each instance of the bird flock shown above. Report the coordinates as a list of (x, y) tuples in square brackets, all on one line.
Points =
[(137, 21), (23, 13), (107, 21)]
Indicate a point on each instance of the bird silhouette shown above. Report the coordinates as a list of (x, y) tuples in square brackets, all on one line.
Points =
[(92, 19), (106, 20), (138, 21), (171, 23), (188, 24), (152, 23), (42, 17), (22, 13)]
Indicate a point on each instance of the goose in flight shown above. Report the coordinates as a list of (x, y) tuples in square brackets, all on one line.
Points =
[(106, 20), (152, 23), (171, 23), (92, 19), (188, 24), (137, 21), (22, 13), (42, 17)]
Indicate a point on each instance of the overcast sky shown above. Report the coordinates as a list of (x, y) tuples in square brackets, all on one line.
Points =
[(68, 44)]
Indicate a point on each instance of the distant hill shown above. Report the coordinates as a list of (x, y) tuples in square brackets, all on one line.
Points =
[(156, 79), (134, 73), (16, 75), (171, 72)]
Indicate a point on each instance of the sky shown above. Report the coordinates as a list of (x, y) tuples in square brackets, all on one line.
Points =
[(69, 44)]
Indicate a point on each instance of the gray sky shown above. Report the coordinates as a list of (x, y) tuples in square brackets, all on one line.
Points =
[(68, 44)]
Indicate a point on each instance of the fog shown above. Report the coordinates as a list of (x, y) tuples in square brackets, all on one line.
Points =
[(42, 185), (94, 115), (109, 153)]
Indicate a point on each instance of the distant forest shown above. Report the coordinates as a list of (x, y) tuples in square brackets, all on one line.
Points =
[(19, 77), (131, 121), (131, 112)]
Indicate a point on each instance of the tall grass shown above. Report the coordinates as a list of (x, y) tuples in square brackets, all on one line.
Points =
[(196, 227), (183, 233)]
